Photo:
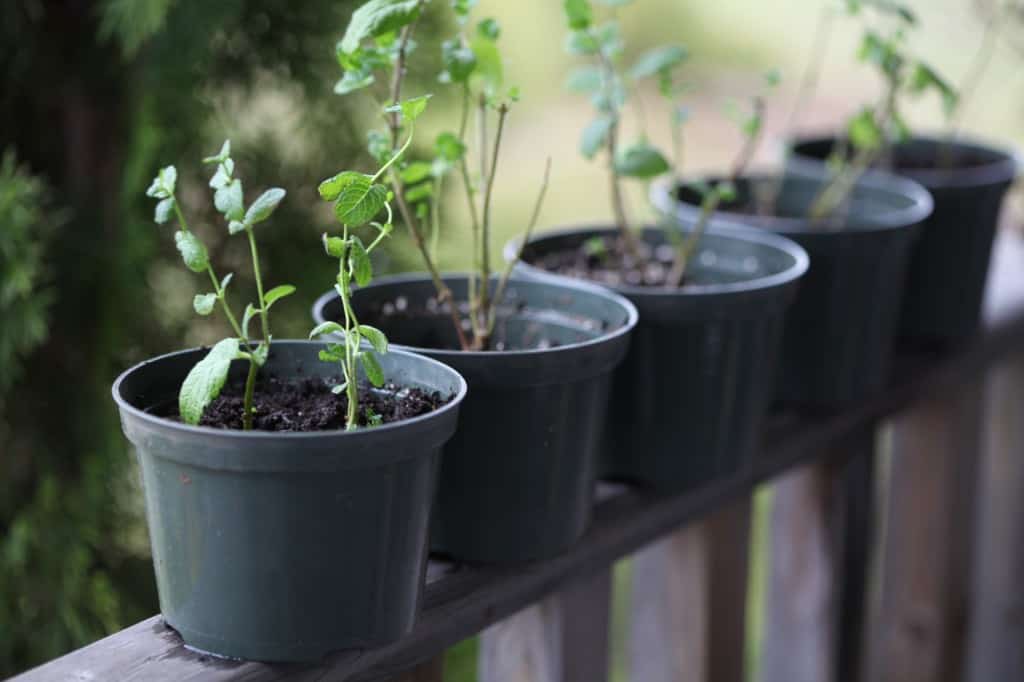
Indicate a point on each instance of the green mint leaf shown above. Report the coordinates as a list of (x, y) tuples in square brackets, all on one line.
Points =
[(489, 67), (334, 246), (379, 146), (206, 380), (459, 61), (228, 200), (579, 14), (353, 80), (192, 251), (340, 388), (362, 268), (156, 189), (419, 192), (377, 18), (449, 147), (411, 109), (163, 210), (259, 356), (203, 303), (415, 172), (489, 28), (359, 201), (276, 294), (221, 177), (864, 132), (327, 328), (372, 368), (462, 8), (585, 79), (169, 179), (375, 336), (640, 160), (582, 43), (235, 226), (658, 60), (226, 281), (250, 312), (595, 135), (222, 155), (264, 206), (330, 188)]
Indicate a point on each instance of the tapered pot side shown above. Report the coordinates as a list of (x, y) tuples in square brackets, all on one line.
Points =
[(287, 546), (949, 263), (688, 401), (839, 333), (517, 478)]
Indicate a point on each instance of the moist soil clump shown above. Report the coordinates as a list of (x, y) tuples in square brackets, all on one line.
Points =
[(605, 260), (309, 405)]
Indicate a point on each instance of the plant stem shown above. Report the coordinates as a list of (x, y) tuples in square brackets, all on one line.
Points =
[(467, 184), (264, 318), (250, 389), (349, 365), (394, 121), (499, 293), (812, 70), (485, 241), (833, 195), (675, 275), (746, 153)]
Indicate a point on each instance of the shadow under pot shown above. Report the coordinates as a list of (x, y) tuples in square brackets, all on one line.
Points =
[(949, 262), (839, 335), (517, 479), (688, 401), (276, 546)]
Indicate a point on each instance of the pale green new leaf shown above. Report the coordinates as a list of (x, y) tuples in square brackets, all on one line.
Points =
[(376, 18), (334, 246), (864, 131), (261, 209), (192, 251), (658, 60), (640, 160), (419, 193), (449, 147), (276, 294), (228, 200), (595, 135), (579, 14), (411, 109), (203, 303), (362, 268), (206, 380), (586, 79), (375, 336), (415, 172), (163, 210), (327, 328), (353, 80), (372, 367), (226, 281), (222, 156), (235, 226), (250, 312)]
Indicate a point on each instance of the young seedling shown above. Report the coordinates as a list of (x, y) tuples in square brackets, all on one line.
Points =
[(358, 199), (379, 40), (873, 130), (612, 87), (204, 383)]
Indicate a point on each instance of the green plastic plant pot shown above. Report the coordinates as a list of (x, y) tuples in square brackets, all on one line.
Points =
[(949, 262), (839, 335), (517, 479), (688, 401), (287, 546)]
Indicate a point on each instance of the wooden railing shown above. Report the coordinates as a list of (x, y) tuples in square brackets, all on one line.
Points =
[(878, 569)]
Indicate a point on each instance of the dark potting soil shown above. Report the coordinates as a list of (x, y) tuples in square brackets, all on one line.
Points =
[(605, 260), (309, 405)]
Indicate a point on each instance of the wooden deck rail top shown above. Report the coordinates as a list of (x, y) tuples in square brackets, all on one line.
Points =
[(462, 600)]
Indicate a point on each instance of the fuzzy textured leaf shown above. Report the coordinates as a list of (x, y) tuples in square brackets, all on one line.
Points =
[(206, 380), (203, 303), (376, 18), (375, 336), (640, 160), (222, 155), (595, 135), (163, 210), (250, 312), (228, 200), (192, 251), (261, 209)]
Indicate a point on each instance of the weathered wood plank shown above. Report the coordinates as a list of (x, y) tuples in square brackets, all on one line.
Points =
[(463, 601), (921, 623), (688, 601), (564, 638), (996, 643)]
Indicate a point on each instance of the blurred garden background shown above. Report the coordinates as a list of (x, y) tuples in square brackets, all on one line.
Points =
[(97, 95)]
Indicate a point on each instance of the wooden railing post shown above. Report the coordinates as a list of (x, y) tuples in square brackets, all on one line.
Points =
[(922, 614), (564, 638), (688, 601)]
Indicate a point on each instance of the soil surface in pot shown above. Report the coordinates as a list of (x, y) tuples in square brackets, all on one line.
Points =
[(605, 260), (933, 157), (309, 405), (760, 202)]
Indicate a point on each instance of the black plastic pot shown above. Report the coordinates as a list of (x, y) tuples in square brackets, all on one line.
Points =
[(688, 401), (286, 546), (949, 262), (517, 479), (840, 331)]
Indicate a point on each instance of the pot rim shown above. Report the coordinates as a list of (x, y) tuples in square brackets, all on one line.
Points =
[(254, 435), (661, 196), (801, 262), (632, 316), (1005, 168)]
